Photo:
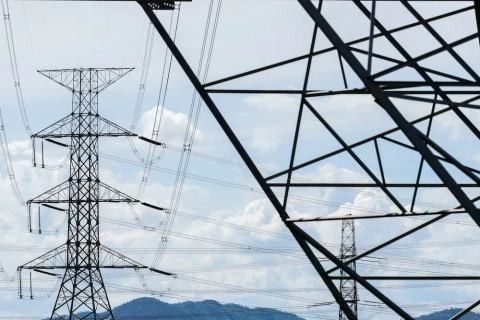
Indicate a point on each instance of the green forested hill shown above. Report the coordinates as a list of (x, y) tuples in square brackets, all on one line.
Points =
[(448, 313), (153, 309)]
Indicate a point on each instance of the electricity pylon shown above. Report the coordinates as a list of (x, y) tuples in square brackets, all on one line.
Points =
[(348, 250), (82, 288), (390, 73)]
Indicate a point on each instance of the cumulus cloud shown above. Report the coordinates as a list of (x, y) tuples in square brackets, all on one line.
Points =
[(172, 125), (366, 200)]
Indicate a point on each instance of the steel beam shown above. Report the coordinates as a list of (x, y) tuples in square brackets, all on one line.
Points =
[(376, 216), (330, 49), (415, 278), (408, 130), (465, 311), (238, 146), (302, 234), (353, 145)]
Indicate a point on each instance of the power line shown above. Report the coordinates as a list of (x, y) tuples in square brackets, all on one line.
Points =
[(8, 161), (294, 197), (14, 66), (158, 111), (28, 34), (189, 134)]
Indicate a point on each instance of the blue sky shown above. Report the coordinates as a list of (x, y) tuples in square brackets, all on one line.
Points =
[(54, 35)]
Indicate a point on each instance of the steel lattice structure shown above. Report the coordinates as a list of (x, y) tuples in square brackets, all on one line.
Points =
[(348, 251), (442, 91), (82, 288)]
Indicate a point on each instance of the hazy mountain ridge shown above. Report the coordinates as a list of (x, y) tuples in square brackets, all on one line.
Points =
[(153, 309), (448, 313)]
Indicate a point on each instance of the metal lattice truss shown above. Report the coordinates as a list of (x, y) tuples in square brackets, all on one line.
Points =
[(63, 128), (68, 78), (391, 78), (61, 193), (57, 259)]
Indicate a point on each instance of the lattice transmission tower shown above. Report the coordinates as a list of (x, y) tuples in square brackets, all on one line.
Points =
[(380, 62), (348, 250), (82, 288)]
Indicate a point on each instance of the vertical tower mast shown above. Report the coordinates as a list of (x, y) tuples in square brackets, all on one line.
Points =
[(82, 287), (348, 286)]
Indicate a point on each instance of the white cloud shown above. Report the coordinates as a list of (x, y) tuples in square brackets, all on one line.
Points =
[(172, 125)]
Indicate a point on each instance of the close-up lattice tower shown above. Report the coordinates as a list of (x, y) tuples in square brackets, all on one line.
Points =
[(391, 73), (82, 287)]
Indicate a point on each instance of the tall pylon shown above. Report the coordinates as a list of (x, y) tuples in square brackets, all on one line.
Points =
[(372, 63), (82, 287), (348, 286)]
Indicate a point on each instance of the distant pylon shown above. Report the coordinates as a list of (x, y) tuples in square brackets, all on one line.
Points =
[(348, 250), (82, 293)]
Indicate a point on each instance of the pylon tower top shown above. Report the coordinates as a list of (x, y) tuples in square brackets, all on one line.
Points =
[(93, 79)]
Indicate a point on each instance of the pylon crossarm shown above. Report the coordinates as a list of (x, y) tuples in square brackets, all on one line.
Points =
[(110, 194), (53, 259), (109, 258), (68, 77), (59, 129), (107, 128), (57, 194), (110, 76), (60, 194), (62, 128), (62, 77)]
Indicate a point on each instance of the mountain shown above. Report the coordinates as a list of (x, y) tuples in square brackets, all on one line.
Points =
[(154, 309), (448, 313)]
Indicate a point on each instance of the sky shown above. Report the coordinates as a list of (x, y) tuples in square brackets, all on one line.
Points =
[(227, 242)]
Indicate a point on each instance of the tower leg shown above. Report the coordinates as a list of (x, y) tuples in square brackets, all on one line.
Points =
[(82, 289)]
